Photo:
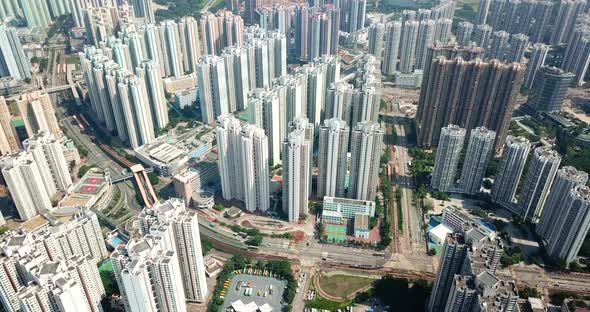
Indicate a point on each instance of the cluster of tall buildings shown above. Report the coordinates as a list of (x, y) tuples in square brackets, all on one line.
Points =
[(42, 13), (479, 152), (577, 53), (34, 176), (467, 93), (225, 81), (13, 62), (221, 30), (316, 31), (466, 279), (54, 268), (403, 45), (243, 162), (554, 198), (163, 269), (299, 94), (129, 102)]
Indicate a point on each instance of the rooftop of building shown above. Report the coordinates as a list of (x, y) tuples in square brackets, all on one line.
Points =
[(361, 222), (348, 201)]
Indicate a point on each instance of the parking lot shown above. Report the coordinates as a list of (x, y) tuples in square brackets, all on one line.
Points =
[(260, 285)]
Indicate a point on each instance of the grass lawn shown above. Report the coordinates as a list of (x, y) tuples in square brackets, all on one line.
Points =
[(343, 285), (72, 59)]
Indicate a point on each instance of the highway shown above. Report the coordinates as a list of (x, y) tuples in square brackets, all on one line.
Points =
[(98, 157)]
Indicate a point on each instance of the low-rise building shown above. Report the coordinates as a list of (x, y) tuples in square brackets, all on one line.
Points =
[(93, 190), (349, 207), (361, 226), (172, 151)]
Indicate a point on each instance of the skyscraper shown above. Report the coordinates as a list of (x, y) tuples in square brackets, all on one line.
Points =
[(499, 47), (392, 43), (353, 14), (482, 12), (518, 45), (442, 33), (243, 162), (577, 53), (451, 262), (136, 110), (510, 168), (296, 174), (37, 112), (482, 35), (150, 71), (13, 61), (8, 141), (366, 147), (264, 111), (426, 32), (26, 185), (36, 13), (540, 174), (213, 94), (220, 30), (376, 33), (148, 274), (565, 20), (339, 101), (464, 31), (228, 135), (536, 61), (456, 92), (171, 47), (566, 179), (49, 156), (333, 149), (572, 225), (144, 9), (189, 42), (409, 38), (479, 151), (447, 157), (549, 89), (184, 227), (256, 173)]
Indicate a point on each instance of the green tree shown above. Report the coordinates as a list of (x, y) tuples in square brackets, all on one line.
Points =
[(529, 292)]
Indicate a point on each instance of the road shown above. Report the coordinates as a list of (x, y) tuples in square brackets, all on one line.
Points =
[(98, 157), (413, 238)]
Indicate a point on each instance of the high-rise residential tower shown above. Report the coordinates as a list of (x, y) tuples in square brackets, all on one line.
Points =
[(464, 31), (457, 92), (38, 113), (536, 61), (510, 168), (172, 217), (366, 147), (8, 139), (409, 39), (451, 263), (577, 53), (392, 43), (13, 61), (572, 225), (213, 92), (333, 149), (566, 179), (297, 165), (448, 153), (479, 151), (565, 20), (26, 185), (540, 174), (376, 33)]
